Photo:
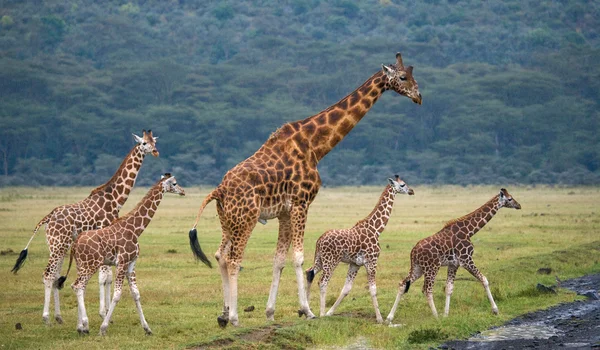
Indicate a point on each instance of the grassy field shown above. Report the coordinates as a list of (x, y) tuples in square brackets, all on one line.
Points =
[(557, 228)]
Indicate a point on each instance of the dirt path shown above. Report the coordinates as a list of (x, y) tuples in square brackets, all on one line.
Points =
[(566, 326)]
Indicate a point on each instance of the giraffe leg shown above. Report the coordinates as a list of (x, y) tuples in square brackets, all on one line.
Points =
[(414, 274), (470, 266), (233, 269), (449, 287), (78, 287), (352, 271), (371, 272), (135, 294), (298, 220), (283, 245), (105, 278), (430, 275), (121, 270), (221, 256), (323, 282), (51, 274)]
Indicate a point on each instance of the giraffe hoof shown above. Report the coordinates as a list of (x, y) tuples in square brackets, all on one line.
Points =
[(59, 319), (301, 313), (83, 331), (148, 332), (222, 321), (46, 320), (495, 311)]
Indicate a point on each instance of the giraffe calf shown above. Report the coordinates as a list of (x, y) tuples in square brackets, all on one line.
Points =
[(451, 247), (356, 246), (118, 245)]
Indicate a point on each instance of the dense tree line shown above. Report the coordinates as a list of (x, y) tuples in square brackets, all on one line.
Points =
[(511, 88)]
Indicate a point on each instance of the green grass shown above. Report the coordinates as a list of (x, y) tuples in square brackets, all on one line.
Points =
[(557, 228)]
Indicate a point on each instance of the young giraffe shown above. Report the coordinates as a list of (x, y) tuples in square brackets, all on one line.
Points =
[(99, 209), (451, 247), (281, 180), (117, 245), (356, 246)]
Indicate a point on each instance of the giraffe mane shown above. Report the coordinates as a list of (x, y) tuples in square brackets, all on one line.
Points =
[(453, 221), (113, 179), (139, 204)]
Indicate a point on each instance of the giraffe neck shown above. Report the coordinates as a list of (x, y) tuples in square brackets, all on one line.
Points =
[(140, 216), (323, 131), (379, 217), (475, 221), (120, 184)]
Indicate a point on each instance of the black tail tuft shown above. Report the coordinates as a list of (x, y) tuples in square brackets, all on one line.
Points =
[(20, 261), (310, 275), (407, 286), (195, 245), (60, 282)]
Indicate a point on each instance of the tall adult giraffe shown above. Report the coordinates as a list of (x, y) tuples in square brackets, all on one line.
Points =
[(98, 210), (281, 180)]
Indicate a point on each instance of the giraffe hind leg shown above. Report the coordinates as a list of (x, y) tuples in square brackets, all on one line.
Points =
[(414, 274)]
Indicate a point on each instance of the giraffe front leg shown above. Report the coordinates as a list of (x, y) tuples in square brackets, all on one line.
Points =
[(352, 271), (105, 278), (298, 221), (284, 240), (371, 273), (449, 287), (135, 294), (475, 272), (115, 299)]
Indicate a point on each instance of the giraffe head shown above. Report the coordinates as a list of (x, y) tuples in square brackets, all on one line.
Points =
[(400, 79), (169, 184), (400, 186), (507, 201), (147, 142)]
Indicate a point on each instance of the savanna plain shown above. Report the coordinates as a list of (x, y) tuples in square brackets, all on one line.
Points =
[(558, 228)]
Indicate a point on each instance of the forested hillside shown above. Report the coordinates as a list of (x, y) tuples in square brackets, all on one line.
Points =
[(511, 88)]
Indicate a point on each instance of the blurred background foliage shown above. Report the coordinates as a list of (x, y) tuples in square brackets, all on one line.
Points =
[(511, 88)]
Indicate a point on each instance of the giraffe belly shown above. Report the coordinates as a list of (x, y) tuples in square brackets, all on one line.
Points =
[(271, 212)]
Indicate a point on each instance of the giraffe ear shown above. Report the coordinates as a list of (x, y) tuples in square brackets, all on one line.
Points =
[(155, 138), (391, 181), (502, 193), (137, 138), (399, 60), (388, 71), (409, 70)]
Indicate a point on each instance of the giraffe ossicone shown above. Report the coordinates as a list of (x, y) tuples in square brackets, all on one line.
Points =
[(357, 246), (452, 247), (117, 244), (280, 180), (98, 210)]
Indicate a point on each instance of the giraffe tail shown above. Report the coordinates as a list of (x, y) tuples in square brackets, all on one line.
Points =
[(215, 194), (23, 254), (406, 286), (194, 243), (310, 274), (60, 282)]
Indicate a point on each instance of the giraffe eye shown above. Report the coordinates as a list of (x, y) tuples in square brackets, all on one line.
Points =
[(175, 184), (510, 199), (144, 143), (402, 185), (402, 78)]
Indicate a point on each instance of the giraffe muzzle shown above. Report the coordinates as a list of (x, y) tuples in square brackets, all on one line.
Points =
[(155, 153), (418, 99)]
